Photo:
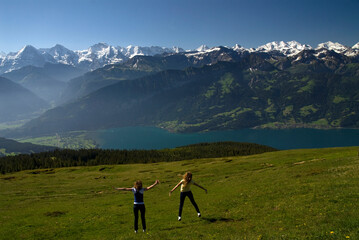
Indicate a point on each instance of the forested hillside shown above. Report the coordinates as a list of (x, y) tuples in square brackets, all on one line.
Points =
[(11, 147), (92, 157)]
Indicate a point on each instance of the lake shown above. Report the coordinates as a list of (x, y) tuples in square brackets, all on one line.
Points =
[(157, 138)]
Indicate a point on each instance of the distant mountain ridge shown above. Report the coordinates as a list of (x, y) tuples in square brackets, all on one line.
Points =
[(102, 54), (17, 102), (47, 82)]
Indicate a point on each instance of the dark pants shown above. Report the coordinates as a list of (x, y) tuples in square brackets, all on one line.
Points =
[(182, 198), (142, 209)]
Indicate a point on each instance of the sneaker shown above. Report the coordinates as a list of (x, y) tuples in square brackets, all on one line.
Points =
[(144, 230), (179, 218), (135, 231), (199, 215)]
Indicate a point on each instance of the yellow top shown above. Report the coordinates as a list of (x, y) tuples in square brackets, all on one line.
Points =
[(187, 187)]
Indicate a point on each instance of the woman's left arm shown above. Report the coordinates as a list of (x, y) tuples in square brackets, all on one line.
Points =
[(196, 184), (123, 189), (156, 182)]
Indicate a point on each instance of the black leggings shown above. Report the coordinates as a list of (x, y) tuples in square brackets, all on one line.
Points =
[(142, 209), (182, 198)]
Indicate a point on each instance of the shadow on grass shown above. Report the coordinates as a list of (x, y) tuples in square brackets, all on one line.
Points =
[(54, 214), (221, 219)]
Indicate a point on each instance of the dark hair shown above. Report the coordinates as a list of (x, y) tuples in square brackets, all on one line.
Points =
[(138, 185)]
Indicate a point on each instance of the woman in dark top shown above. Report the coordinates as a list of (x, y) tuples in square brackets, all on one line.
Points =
[(139, 204)]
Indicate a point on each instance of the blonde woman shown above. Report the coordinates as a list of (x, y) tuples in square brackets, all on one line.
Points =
[(139, 204), (186, 184)]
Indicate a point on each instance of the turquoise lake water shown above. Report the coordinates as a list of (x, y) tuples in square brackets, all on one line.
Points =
[(157, 138)]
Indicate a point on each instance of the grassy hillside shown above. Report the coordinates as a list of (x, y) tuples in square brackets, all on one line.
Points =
[(297, 194)]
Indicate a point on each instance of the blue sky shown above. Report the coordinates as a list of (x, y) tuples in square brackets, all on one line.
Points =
[(78, 24)]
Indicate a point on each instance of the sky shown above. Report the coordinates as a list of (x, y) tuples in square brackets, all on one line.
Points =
[(78, 24)]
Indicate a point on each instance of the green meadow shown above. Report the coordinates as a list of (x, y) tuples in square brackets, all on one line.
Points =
[(295, 194)]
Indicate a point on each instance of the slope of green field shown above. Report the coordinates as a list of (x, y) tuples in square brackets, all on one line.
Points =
[(297, 194)]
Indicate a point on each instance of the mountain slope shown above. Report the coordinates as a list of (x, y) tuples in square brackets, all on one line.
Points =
[(140, 66), (16, 102)]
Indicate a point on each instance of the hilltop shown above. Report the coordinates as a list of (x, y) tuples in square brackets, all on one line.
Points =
[(296, 194)]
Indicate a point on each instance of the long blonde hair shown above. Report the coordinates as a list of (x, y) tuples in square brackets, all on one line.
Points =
[(187, 177), (138, 185)]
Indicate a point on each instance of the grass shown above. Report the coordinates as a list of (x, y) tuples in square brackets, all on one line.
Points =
[(296, 194)]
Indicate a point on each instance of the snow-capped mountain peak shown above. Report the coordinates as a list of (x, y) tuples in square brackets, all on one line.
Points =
[(27, 50), (239, 48), (287, 48), (61, 54), (337, 47), (202, 48), (356, 46), (98, 47), (131, 51)]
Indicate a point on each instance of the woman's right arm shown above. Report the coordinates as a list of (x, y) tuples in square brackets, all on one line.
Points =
[(175, 187)]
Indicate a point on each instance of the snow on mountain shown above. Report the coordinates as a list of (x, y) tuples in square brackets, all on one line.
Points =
[(96, 56), (201, 51), (202, 48), (337, 47), (239, 48), (102, 54), (28, 55), (62, 54), (132, 51), (286, 48)]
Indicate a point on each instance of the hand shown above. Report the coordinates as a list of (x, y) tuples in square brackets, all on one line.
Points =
[(205, 191), (170, 193), (157, 182)]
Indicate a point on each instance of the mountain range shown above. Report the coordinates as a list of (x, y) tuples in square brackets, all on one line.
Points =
[(94, 57), (102, 54)]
